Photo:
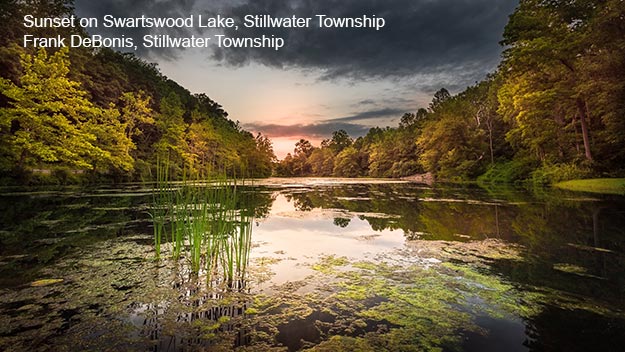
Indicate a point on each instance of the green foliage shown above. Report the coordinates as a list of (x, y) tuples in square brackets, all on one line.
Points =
[(172, 144), (555, 105), (393, 152), (554, 111), (49, 121), (346, 163), (550, 174), (563, 82), (322, 162), (381, 153), (262, 157), (340, 140), (453, 145), (602, 185), (107, 115), (508, 172)]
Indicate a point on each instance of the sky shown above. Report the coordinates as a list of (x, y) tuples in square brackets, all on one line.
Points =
[(324, 79)]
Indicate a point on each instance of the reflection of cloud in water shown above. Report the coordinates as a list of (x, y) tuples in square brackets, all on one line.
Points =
[(307, 235)]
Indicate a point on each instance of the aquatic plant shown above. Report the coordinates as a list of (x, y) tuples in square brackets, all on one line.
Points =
[(160, 198), (204, 222)]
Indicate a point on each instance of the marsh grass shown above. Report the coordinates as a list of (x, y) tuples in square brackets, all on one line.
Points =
[(159, 210), (205, 224)]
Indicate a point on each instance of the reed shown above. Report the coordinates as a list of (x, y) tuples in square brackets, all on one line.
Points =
[(160, 200), (205, 222)]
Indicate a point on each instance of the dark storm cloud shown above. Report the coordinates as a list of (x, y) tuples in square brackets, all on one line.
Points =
[(316, 130), (371, 114), (366, 102), (325, 128), (458, 38), (149, 8)]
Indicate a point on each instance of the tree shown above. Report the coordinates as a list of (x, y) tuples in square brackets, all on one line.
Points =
[(262, 158), (303, 147), (603, 82), (552, 47), (112, 140), (299, 163), (440, 97), (322, 162), (451, 144), (485, 101), (340, 140), (50, 121), (346, 163), (172, 145), (412, 120), (203, 142), (135, 112)]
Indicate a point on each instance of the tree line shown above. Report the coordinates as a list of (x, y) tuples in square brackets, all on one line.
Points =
[(553, 110), (102, 114)]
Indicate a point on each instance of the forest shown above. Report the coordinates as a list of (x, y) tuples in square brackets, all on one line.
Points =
[(553, 110), (77, 114)]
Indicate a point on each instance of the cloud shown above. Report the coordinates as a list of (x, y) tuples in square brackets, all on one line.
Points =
[(454, 40), (325, 128), (315, 130), (366, 102), (457, 38), (371, 114)]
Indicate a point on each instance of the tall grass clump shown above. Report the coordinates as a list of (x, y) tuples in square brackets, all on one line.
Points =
[(205, 222), (160, 203), (229, 242)]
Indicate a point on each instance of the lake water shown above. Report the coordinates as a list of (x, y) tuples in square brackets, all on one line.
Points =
[(334, 264)]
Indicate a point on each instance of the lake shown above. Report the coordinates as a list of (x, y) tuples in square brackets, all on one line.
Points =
[(333, 264)]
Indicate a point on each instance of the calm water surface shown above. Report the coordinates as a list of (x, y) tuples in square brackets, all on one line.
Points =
[(334, 265)]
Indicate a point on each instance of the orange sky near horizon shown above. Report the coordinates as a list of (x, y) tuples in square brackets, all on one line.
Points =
[(284, 145)]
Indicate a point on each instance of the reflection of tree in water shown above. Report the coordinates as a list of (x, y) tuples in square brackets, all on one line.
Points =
[(211, 303), (258, 200), (407, 208), (552, 229), (204, 314), (555, 235), (574, 247), (49, 225), (341, 222), (301, 201)]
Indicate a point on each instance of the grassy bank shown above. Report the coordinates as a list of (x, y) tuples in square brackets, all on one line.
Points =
[(598, 185)]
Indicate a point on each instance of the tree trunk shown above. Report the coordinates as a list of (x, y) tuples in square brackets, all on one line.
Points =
[(581, 108), (574, 122), (20, 162), (489, 124)]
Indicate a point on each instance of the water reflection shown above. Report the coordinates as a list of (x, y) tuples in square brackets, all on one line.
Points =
[(581, 232), (327, 259), (197, 316)]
